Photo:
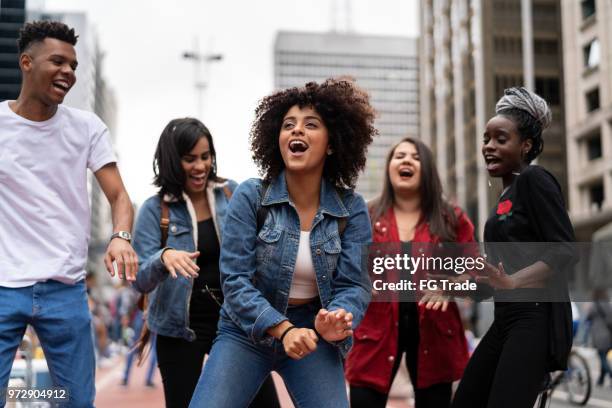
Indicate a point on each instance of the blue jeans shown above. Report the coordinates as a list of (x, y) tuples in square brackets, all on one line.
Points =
[(61, 319), (237, 367)]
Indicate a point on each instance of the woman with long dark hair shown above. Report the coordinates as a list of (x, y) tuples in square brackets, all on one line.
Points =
[(410, 209), (530, 335), (181, 274)]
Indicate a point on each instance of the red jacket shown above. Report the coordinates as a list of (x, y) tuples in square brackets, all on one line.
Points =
[(443, 352)]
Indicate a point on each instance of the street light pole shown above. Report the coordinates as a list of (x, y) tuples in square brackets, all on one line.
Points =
[(201, 62)]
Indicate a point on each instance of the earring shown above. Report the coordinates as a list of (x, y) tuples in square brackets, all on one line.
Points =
[(329, 151)]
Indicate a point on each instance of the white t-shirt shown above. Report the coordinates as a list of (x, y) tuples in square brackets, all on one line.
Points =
[(304, 282), (44, 204)]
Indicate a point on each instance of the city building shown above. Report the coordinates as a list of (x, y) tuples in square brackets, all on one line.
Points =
[(471, 50), (12, 16), (386, 67), (587, 49)]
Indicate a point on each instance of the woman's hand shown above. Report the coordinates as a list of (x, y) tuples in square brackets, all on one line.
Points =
[(334, 326), (496, 277), (181, 262), (300, 342), (435, 298)]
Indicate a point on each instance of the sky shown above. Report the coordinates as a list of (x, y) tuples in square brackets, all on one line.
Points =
[(144, 40)]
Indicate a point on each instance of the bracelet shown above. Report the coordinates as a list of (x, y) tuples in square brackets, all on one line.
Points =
[(317, 333), (287, 330)]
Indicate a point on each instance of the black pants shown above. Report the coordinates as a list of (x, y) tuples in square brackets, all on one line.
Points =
[(508, 367), (180, 363), (436, 396)]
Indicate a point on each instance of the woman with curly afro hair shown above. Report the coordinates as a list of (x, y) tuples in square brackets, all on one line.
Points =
[(292, 251)]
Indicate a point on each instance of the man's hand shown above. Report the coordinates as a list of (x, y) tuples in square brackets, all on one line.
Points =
[(334, 326), (118, 249), (121, 252)]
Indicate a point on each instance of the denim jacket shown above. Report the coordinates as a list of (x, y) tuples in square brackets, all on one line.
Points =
[(168, 309), (257, 267)]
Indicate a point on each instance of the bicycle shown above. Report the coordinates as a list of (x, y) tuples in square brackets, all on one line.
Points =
[(576, 380)]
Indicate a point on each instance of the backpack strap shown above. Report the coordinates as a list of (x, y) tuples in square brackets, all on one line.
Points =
[(342, 225), (341, 221), (164, 222), (227, 192)]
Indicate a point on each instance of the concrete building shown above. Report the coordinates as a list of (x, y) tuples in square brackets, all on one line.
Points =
[(386, 67), (471, 50), (12, 16), (587, 49)]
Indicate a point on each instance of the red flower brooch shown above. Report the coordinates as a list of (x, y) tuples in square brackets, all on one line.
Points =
[(504, 208)]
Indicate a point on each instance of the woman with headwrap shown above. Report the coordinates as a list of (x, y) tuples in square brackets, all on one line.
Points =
[(528, 338)]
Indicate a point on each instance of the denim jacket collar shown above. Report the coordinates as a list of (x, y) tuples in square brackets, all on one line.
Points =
[(329, 199), (210, 187)]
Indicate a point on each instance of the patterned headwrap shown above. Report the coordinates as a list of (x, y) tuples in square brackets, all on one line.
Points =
[(521, 98)]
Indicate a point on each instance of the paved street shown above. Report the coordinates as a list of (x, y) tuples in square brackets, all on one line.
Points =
[(110, 394)]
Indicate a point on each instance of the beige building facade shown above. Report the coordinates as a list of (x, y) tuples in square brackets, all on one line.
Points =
[(587, 49)]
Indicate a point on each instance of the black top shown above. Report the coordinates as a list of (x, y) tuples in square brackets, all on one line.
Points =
[(532, 209), (203, 310), (537, 214)]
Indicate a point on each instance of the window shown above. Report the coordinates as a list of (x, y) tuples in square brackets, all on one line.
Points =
[(588, 8), (545, 46), (593, 145), (596, 196), (549, 89), (592, 100), (591, 54), (508, 45)]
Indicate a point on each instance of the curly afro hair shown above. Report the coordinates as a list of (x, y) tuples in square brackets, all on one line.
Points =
[(347, 114), (37, 31)]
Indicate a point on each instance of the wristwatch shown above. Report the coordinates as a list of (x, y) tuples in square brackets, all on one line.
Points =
[(123, 235)]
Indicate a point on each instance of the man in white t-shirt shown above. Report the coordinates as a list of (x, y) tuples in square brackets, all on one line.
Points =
[(45, 151)]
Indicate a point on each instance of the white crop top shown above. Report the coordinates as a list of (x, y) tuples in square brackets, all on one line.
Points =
[(304, 283)]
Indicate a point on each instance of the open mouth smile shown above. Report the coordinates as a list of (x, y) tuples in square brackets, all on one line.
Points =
[(406, 172), (298, 146)]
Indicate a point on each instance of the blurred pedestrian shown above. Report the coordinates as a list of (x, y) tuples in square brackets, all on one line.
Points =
[(600, 321), (291, 255), (181, 273), (132, 320), (528, 338), (46, 149), (411, 208)]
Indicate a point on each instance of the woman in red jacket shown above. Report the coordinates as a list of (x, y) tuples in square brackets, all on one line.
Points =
[(411, 209)]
